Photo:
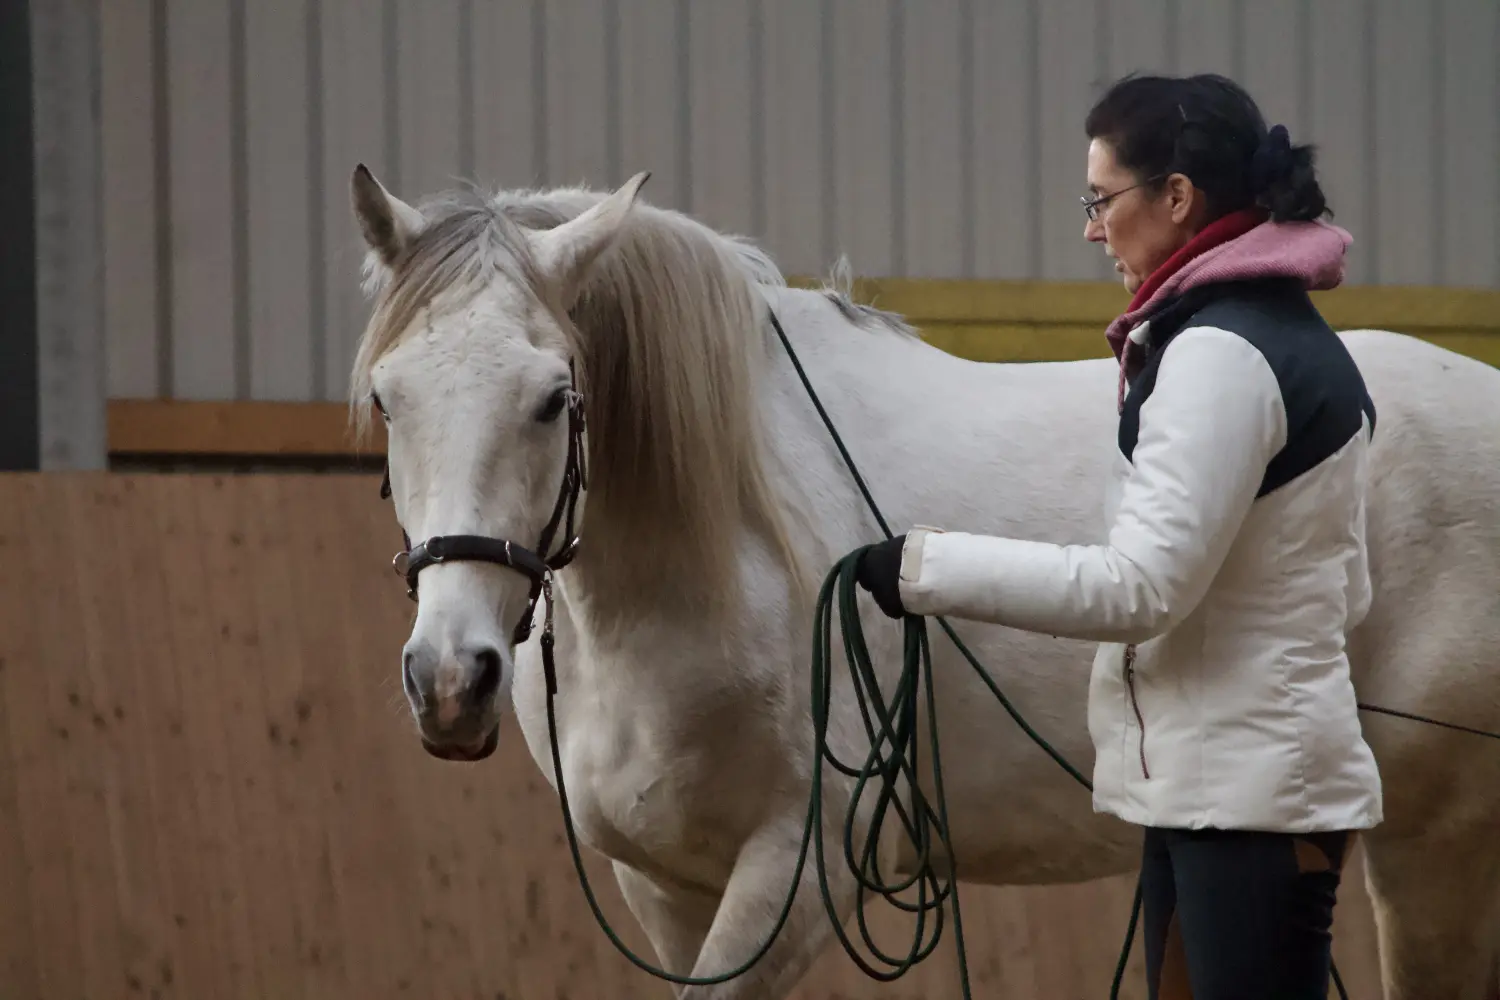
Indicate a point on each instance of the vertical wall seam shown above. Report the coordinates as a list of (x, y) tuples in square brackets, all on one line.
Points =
[(758, 154), (968, 190), (1237, 39), (100, 317), (466, 95), (896, 26), (1102, 62), (540, 164), (683, 32), (1171, 30), (1438, 178), (161, 196), (239, 185), (317, 281), (390, 43), (828, 125), (614, 140), (1372, 144), (1034, 135), (1304, 66)]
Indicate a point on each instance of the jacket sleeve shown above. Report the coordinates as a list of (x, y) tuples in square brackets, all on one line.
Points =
[(1207, 431)]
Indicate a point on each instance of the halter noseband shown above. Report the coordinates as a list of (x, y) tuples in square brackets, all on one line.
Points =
[(536, 565)]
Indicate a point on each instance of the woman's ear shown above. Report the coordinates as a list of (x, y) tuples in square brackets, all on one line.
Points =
[(1181, 198)]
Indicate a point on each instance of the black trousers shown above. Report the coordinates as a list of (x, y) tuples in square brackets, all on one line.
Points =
[(1239, 915)]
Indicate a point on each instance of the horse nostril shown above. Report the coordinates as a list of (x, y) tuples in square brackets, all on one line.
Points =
[(487, 679), (408, 682)]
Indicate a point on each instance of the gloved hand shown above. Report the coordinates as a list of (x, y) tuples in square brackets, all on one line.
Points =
[(879, 571)]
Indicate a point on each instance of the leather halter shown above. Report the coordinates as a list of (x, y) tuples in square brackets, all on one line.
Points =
[(535, 564)]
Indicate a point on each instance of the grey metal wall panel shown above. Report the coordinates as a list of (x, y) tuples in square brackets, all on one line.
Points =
[(281, 220), (935, 200), (863, 207), (932, 138), (721, 156), (799, 171), (1340, 120), (1069, 41), (1469, 182), (70, 345), (357, 128), (201, 200), (506, 105), (1408, 137), (1007, 154), (577, 115), (130, 146)]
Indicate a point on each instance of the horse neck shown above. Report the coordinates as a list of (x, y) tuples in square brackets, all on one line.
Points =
[(629, 572)]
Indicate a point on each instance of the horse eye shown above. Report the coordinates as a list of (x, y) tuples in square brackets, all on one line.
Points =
[(554, 407)]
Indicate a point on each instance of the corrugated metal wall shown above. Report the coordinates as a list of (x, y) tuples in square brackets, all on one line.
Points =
[(927, 138)]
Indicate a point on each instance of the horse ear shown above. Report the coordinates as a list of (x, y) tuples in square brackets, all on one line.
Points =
[(566, 252), (387, 222)]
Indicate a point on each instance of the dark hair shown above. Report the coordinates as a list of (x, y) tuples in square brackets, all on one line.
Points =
[(1208, 128)]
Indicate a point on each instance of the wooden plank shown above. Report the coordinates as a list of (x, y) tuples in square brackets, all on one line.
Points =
[(1006, 141), (129, 149), (720, 104), (278, 176), (934, 198), (355, 130), (261, 782), (177, 427), (800, 185), (204, 216)]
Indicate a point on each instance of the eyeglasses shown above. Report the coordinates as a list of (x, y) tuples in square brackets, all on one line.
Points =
[(1091, 206)]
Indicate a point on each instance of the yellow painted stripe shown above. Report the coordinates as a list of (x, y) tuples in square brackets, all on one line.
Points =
[(1065, 321)]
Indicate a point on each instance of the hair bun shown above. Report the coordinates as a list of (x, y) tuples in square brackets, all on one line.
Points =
[(1273, 162)]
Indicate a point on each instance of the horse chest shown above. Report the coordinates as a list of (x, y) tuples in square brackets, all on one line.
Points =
[(630, 797)]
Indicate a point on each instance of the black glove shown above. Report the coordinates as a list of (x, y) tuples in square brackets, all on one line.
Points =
[(879, 571)]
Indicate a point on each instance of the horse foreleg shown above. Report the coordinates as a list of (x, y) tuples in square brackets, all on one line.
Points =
[(676, 918), (753, 900)]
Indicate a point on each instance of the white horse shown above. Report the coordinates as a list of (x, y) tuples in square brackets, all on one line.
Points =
[(716, 502)]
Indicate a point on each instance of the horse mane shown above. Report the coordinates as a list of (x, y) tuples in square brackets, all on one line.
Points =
[(670, 335)]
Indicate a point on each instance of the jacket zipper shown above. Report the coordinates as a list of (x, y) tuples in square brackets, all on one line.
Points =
[(1140, 721)]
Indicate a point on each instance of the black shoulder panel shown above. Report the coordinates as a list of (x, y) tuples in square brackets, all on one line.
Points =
[(1321, 387)]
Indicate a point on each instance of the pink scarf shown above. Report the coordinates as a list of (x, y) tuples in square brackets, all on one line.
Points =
[(1237, 247)]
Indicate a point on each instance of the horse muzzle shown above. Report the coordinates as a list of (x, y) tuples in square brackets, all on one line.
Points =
[(465, 753)]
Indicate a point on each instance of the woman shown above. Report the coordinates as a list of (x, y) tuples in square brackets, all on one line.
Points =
[(1220, 706)]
